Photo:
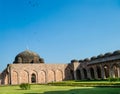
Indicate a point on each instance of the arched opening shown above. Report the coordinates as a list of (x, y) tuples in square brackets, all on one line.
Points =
[(85, 73), (32, 62), (78, 74), (72, 74), (33, 78), (99, 72), (106, 71), (92, 73), (69, 74), (115, 71)]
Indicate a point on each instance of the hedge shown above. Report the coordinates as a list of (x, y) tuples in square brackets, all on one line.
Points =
[(86, 84)]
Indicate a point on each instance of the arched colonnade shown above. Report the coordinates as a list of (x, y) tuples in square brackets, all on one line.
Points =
[(42, 76), (98, 71)]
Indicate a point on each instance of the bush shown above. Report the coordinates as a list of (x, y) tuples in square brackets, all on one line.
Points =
[(86, 84), (110, 79), (25, 86), (118, 79)]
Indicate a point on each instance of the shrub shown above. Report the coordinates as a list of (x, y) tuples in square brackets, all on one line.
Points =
[(118, 79), (25, 86), (86, 84), (110, 79)]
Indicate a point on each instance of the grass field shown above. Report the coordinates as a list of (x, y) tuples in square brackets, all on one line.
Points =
[(46, 89)]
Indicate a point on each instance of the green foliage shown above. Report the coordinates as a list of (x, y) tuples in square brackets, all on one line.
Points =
[(118, 79), (25, 86), (87, 84), (111, 79)]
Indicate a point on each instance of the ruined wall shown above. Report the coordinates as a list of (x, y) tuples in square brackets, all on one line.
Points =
[(98, 68), (37, 73)]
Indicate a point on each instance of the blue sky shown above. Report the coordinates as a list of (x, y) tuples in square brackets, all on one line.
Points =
[(58, 30)]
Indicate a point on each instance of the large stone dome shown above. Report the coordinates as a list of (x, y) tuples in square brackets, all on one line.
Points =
[(28, 56)]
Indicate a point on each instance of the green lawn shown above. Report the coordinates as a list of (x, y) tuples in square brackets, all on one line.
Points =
[(46, 89)]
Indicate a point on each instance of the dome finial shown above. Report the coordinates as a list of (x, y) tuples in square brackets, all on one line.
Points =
[(27, 48)]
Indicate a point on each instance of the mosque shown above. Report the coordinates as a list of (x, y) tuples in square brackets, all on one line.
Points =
[(29, 67)]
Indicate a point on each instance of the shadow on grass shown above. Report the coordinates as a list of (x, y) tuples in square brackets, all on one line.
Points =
[(72, 91), (82, 91)]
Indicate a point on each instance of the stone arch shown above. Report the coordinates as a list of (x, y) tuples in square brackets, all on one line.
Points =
[(78, 74), (24, 77), (106, 71), (4, 78), (99, 74), (92, 73), (72, 74), (15, 77), (69, 74), (51, 76), (59, 75), (115, 71), (42, 77), (85, 73), (34, 76)]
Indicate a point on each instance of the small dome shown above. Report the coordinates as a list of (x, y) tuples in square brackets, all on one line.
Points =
[(86, 59), (116, 52), (28, 56), (81, 60), (108, 54), (93, 58), (100, 56)]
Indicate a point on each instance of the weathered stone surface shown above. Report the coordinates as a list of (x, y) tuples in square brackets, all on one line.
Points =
[(100, 67)]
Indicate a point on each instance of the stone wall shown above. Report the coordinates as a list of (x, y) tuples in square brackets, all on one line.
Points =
[(43, 73), (98, 67), (100, 70)]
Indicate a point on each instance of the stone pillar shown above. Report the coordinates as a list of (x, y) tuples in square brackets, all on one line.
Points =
[(18, 78), (10, 67), (75, 66), (110, 71), (55, 76), (63, 75), (102, 72), (46, 77), (9, 74), (95, 73), (118, 72), (89, 74), (82, 74), (29, 78), (36, 74), (75, 77)]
